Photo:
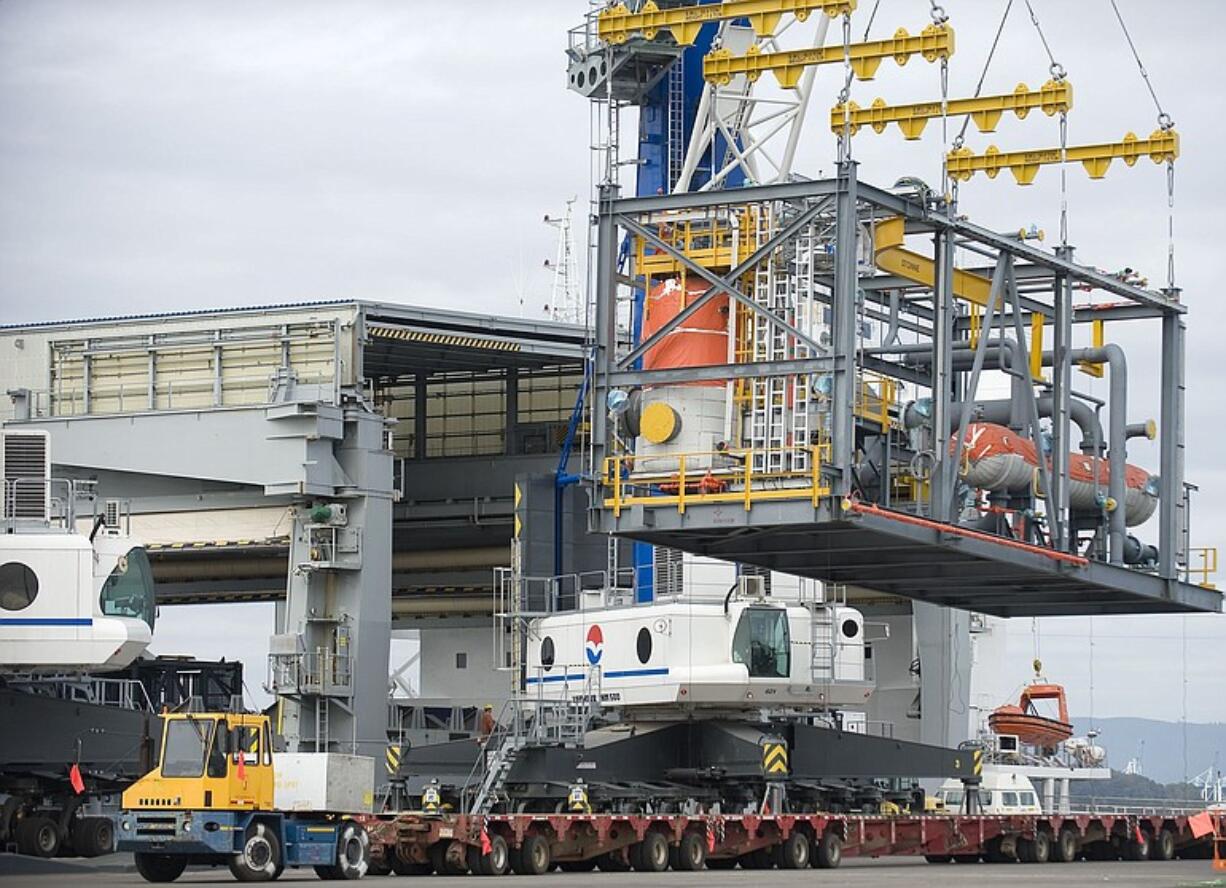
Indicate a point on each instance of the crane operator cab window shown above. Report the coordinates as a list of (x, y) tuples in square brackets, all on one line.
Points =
[(128, 591), (761, 641), (187, 740)]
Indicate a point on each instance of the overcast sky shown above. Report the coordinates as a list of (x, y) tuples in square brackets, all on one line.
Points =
[(169, 155)]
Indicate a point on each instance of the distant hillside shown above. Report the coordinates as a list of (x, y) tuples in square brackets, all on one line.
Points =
[(1162, 755)]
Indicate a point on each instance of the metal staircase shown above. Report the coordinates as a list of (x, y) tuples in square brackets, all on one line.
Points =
[(497, 767)]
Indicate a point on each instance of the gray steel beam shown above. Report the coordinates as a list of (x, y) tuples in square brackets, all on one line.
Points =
[(843, 328), (1062, 386), (943, 473), (715, 372), (1171, 447), (694, 200)]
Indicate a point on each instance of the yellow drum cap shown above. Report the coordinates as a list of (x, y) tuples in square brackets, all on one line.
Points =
[(659, 423)]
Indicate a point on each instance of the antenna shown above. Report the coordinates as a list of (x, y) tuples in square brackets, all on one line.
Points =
[(564, 302)]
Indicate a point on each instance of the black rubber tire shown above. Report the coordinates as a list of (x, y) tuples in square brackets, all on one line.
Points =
[(38, 837), (495, 863), (577, 866), (93, 836), (613, 862), (159, 867), (1162, 846), (379, 867), (721, 863), (691, 852), (827, 852), (793, 852), (1134, 850), (260, 858), (533, 857), (651, 854), (1064, 848), (993, 853), (410, 868), (966, 858), (939, 858), (1040, 847), (352, 851)]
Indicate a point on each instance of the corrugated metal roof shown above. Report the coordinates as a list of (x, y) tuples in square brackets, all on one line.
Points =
[(186, 313)]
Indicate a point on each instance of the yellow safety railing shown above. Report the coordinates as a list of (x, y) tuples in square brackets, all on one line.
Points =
[(679, 480), (877, 394), (1206, 568), (716, 244)]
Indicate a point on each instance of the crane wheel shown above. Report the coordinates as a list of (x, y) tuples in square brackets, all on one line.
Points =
[(495, 863), (532, 857), (260, 857), (159, 867), (691, 852)]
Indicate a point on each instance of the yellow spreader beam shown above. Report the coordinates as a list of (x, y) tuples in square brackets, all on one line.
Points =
[(617, 24), (1161, 146), (934, 42), (1052, 97)]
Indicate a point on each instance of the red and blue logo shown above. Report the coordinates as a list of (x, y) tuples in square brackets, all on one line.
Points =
[(594, 648)]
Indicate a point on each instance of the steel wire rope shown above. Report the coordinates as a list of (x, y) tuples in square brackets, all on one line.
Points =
[(1000, 29), (1058, 73), (1165, 123)]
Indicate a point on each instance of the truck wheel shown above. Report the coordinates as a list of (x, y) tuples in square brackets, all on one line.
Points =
[(38, 837), (691, 852), (1064, 849), (260, 857), (652, 854), (533, 857), (828, 853), (159, 867), (1040, 848), (494, 863), (1137, 850), (93, 836), (1162, 846), (793, 852), (352, 851)]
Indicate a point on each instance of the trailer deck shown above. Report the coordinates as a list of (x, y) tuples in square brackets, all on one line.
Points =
[(453, 844)]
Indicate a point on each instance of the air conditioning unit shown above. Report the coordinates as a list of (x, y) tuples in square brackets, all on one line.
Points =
[(25, 466)]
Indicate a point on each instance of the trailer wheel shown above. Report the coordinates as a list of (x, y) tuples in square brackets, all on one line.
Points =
[(38, 837), (1064, 849), (828, 853), (495, 863), (533, 858), (260, 857), (1137, 850), (793, 852), (93, 836), (691, 852), (613, 862), (577, 866), (159, 867), (1040, 847), (449, 858), (1162, 846), (651, 854)]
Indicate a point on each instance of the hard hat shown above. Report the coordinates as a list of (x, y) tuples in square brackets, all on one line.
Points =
[(489, 706)]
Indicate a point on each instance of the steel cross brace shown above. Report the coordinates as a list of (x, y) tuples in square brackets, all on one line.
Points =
[(719, 284)]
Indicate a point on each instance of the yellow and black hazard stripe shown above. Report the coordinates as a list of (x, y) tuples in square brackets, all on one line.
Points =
[(394, 754), (775, 758), (217, 544), (449, 339), (977, 762)]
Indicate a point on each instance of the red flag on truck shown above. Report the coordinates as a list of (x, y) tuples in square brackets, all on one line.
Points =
[(75, 778), (241, 770)]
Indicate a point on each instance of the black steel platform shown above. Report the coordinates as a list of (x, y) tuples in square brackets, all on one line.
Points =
[(896, 554)]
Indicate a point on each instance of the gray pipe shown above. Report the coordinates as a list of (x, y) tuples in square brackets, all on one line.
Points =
[(1082, 414), (1117, 436)]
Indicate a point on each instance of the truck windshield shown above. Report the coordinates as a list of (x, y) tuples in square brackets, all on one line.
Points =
[(186, 741), (762, 643), (128, 591)]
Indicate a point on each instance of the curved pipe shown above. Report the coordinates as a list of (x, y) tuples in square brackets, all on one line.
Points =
[(1117, 435), (999, 412)]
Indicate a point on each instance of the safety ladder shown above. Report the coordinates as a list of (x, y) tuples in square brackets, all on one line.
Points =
[(800, 310), (676, 120), (766, 421), (497, 768)]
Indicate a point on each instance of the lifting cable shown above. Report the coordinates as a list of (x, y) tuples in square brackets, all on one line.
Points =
[(960, 139), (1057, 73), (849, 77), (939, 18), (1164, 123)]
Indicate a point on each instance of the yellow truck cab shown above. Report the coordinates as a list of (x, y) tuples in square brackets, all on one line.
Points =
[(213, 798)]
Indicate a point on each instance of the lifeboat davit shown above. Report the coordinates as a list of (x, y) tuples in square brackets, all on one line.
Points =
[(1025, 722)]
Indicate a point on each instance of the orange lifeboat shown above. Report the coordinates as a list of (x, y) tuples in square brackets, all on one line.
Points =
[(1024, 721)]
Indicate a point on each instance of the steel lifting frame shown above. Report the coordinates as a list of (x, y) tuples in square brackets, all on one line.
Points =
[(934, 42), (1013, 260), (617, 23), (1055, 96), (1162, 146)]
